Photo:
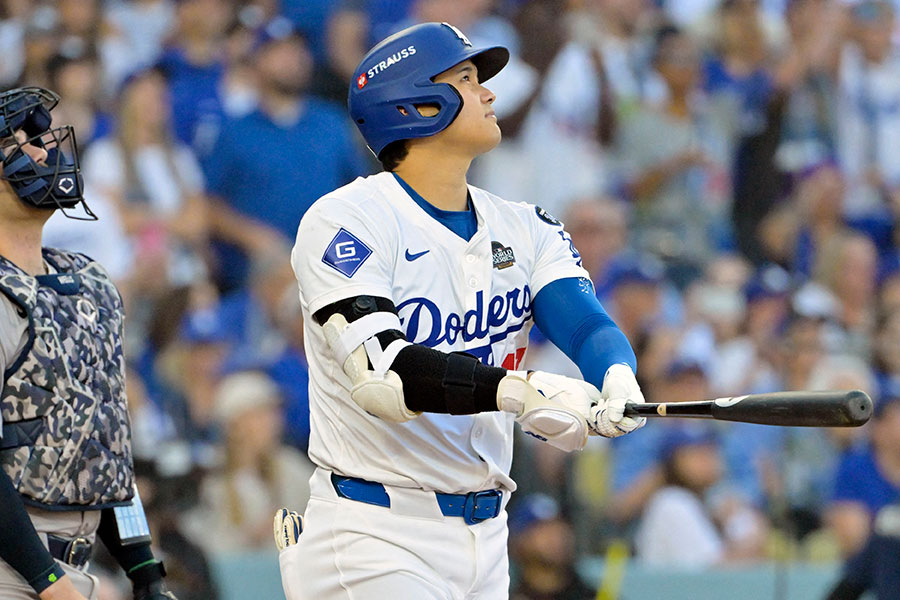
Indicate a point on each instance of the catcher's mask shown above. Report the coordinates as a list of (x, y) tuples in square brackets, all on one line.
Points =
[(55, 182)]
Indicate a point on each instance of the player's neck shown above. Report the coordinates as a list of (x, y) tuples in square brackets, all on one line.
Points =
[(440, 180), (21, 245), (21, 231)]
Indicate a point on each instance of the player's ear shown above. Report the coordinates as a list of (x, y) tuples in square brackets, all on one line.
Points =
[(428, 110)]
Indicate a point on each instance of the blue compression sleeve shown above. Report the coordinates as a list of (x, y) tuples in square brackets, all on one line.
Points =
[(569, 314)]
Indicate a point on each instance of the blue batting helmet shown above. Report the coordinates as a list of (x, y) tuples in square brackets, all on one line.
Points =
[(398, 72)]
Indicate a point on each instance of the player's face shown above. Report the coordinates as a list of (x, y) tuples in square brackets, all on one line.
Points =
[(475, 129), (36, 153)]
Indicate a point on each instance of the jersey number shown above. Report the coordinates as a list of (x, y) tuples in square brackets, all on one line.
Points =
[(513, 359)]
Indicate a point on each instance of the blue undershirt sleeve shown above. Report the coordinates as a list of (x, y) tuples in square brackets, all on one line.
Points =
[(568, 313)]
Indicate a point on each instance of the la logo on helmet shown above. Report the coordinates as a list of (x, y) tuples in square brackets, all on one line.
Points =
[(361, 81), (459, 34)]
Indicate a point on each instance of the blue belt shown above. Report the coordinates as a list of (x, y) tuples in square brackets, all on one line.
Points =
[(473, 507)]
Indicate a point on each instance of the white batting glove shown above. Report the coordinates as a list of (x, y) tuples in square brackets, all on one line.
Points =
[(552, 408), (619, 386), (288, 526)]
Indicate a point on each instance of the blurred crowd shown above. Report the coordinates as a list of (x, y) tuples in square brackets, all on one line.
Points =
[(728, 169)]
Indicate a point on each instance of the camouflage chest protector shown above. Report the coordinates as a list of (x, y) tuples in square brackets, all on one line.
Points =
[(66, 434)]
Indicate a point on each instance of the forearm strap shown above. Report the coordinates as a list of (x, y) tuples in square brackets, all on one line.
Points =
[(438, 382), (459, 384)]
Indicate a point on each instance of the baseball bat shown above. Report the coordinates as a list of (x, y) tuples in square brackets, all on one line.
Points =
[(796, 409)]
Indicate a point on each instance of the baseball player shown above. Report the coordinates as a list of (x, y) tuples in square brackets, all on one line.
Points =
[(65, 449), (418, 292)]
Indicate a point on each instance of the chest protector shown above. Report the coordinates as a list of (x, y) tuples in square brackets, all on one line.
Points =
[(66, 433)]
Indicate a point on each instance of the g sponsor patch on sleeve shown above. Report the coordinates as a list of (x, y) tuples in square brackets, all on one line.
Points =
[(346, 253)]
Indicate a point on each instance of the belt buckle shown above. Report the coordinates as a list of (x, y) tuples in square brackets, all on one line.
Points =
[(471, 505), (77, 547)]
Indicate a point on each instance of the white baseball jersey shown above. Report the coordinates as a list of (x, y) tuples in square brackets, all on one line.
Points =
[(370, 238)]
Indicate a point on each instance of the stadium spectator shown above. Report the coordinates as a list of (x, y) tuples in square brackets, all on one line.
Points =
[(105, 239), (265, 329), (76, 78), (867, 479), (155, 184), (807, 70), (79, 24), (818, 202), (810, 456), (13, 17), (599, 229), (876, 567), (194, 65), (635, 293), (887, 355), (41, 43), (168, 488), (135, 34), (746, 362), (678, 183), (188, 372), (258, 474), (785, 138), (302, 147), (621, 29), (850, 274), (678, 516), (542, 546), (715, 308), (868, 125), (357, 25), (637, 464), (737, 76), (559, 131)]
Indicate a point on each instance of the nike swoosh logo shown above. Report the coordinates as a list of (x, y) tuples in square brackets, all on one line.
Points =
[(412, 257)]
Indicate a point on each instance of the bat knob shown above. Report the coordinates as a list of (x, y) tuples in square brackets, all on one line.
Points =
[(859, 406)]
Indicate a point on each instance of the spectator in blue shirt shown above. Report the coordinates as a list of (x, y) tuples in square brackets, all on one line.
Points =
[(263, 325), (867, 479), (877, 566), (269, 166), (194, 64), (357, 25)]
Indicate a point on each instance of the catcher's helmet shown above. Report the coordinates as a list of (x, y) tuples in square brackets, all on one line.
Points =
[(398, 72), (55, 184)]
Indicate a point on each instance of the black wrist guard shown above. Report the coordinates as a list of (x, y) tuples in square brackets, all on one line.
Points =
[(149, 583)]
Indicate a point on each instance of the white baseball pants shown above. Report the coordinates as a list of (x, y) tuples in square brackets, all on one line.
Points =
[(351, 550)]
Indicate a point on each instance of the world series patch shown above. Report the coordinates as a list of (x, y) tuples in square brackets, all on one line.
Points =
[(503, 255)]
